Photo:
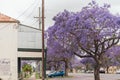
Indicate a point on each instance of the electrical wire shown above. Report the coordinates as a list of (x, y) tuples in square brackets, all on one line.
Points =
[(19, 15), (35, 22), (33, 10), (27, 9)]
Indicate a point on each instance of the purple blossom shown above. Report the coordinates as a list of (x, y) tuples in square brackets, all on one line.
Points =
[(90, 32)]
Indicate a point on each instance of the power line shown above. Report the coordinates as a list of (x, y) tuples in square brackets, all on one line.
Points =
[(20, 14), (35, 22), (32, 11), (39, 18), (27, 18), (27, 9)]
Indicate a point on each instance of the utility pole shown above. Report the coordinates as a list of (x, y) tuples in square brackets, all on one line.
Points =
[(39, 18), (43, 56)]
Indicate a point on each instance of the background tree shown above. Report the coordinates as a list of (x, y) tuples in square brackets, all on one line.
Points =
[(27, 68), (114, 55), (88, 33), (89, 63), (76, 64), (111, 58), (58, 56)]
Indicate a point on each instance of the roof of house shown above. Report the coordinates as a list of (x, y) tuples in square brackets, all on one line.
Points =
[(6, 19)]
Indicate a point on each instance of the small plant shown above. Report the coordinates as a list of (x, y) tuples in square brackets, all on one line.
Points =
[(27, 70)]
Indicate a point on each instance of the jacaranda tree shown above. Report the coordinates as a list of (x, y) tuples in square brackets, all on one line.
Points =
[(89, 63), (88, 33), (113, 54), (110, 58), (76, 65), (58, 55)]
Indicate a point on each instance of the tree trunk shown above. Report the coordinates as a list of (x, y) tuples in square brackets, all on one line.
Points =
[(96, 72), (107, 69), (66, 68)]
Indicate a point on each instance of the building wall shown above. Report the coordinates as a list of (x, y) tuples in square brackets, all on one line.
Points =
[(8, 51), (29, 44), (29, 38), (30, 54)]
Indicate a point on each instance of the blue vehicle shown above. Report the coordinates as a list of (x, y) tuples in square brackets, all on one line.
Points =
[(56, 73)]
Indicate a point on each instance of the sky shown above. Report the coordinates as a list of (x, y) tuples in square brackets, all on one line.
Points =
[(26, 10)]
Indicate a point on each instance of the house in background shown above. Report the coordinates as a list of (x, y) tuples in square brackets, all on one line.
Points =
[(17, 43), (112, 69)]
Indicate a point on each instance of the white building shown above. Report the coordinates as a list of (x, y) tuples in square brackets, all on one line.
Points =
[(29, 45), (16, 43), (8, 47)]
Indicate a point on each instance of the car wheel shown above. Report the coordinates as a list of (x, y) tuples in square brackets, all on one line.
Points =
[(62, 75), (51, 76)]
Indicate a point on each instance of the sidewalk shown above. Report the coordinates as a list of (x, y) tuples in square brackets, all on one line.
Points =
[(32, 77)]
